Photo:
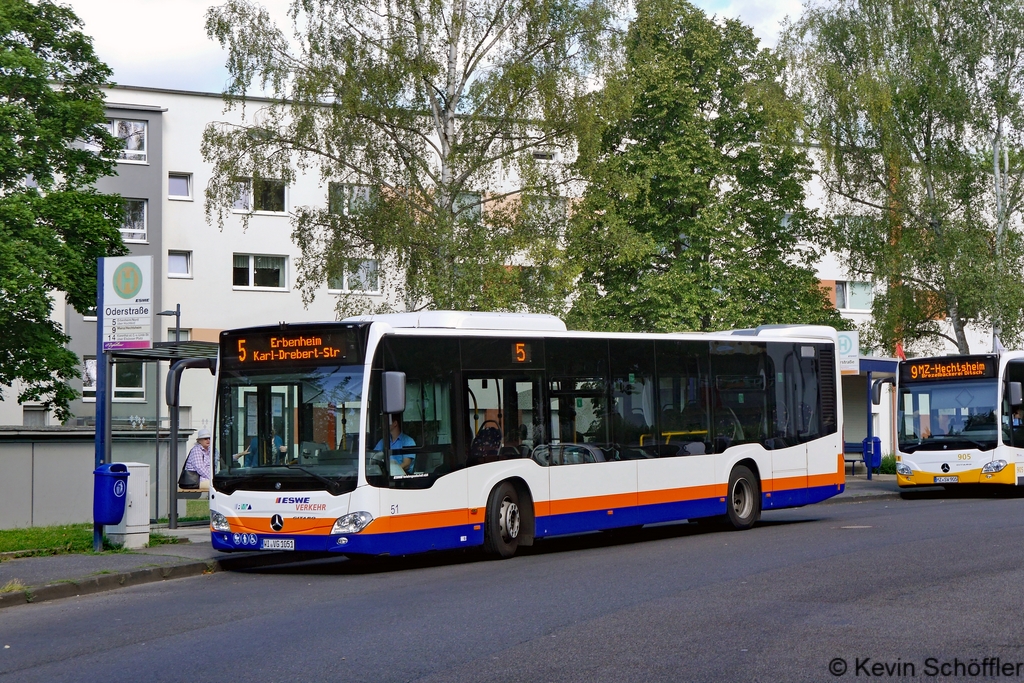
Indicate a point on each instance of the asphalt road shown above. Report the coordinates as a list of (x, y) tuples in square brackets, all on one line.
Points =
[(890, 582)]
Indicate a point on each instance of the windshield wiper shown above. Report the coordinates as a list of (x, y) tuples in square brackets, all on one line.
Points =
[(943, 444), (333, 486)]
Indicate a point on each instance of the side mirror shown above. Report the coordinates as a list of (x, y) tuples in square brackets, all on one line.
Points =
[(1015, 394), (394, 392), (876, 389)]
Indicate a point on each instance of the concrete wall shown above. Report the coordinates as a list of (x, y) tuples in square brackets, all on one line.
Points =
[(47, 477)]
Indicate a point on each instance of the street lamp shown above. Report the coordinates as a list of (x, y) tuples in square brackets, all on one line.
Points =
[(177, 321)]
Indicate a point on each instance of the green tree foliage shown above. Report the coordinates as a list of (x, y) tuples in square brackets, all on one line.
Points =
[(440, 110), (694, 216), (53, 225), (917, 109)]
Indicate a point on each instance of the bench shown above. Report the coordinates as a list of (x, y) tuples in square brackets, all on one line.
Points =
[(853, 453), (202, 491)]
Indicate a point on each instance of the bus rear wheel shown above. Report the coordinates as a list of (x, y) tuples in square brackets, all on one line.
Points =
[(743, 505), (503, 522)]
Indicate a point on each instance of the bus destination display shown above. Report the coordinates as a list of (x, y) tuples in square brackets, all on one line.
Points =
[(267, 349), (933, 369)]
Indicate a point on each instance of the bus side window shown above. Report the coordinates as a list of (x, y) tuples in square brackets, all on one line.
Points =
[(740, 397), (681, 400)]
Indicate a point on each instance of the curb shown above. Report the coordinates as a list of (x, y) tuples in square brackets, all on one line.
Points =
[(839, 500), (107, 582)]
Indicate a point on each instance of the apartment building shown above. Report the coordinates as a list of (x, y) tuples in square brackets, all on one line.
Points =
[(235, 276)]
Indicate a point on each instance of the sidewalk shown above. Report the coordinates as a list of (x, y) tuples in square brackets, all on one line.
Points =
[(859, 489), (51, 577)]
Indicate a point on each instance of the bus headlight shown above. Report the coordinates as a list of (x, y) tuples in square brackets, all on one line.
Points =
[(994, 466), (904, 469), (352, 523), (219, 522)]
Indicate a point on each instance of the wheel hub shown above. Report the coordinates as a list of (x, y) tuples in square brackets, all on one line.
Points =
[(742, 501), (509, 520)]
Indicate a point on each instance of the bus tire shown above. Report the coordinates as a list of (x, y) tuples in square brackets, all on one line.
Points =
[(743, 504), (503, 522)]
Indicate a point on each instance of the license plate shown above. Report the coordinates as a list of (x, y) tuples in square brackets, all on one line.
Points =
[(947, 480), (278, 544)]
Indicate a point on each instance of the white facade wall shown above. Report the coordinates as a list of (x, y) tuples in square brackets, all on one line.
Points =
[(209, 301)]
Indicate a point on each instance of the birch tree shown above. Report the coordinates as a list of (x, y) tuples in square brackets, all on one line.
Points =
[(439, 128), (916, 106)]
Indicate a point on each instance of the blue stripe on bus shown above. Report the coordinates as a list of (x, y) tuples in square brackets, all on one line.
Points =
[(800, 497), (395, 543), (447, 538)]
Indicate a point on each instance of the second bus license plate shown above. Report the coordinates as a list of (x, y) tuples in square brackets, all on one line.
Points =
[(278, 544), (946, 480)]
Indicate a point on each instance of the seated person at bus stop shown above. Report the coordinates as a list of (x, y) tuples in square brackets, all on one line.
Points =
[(200, 458), (398, 440), (251, 454)]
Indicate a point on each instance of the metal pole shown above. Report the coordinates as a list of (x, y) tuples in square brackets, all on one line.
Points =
[(172, 467), (156, 501), (107, 401), (870, 443), (101, 394)]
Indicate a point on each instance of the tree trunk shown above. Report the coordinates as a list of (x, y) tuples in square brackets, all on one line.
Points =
[(958, 330)]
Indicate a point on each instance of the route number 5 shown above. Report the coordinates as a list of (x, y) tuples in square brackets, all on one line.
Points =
[(241, 350)]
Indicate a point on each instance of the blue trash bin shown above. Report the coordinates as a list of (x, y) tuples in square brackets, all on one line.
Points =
[(109, 493), (872, 452)]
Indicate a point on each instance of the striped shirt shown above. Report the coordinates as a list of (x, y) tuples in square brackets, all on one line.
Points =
[(198, 460)]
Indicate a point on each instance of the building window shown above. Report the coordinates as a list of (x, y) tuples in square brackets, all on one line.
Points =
[(129, 381), (345, 199), (134, 227), (855, 296), (186, 334), (89, 380), (359, 275), (179, 264), (33, 416), (261, 195), (468, 207), (133, 134), (179, 185), (90, 315), (544, 209), (252, 270), (545, 155)]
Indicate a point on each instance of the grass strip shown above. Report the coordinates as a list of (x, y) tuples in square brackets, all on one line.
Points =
[(65, 538)]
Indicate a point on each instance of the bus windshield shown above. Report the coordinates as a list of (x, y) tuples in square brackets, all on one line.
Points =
[(289, 431), (947, 414)]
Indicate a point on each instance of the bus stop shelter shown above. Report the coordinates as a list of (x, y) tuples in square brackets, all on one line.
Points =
[(859, 413), (180, 356)]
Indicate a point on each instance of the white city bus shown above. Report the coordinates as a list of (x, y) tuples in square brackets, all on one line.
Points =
[(955, 420), (405, 433)]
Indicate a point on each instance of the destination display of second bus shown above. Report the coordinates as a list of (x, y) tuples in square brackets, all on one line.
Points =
[(937, 369)]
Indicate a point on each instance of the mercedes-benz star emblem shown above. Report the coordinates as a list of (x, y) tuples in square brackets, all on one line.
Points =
[(945, 467), (276, 523)]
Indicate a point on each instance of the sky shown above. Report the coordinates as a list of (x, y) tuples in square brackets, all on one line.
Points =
[(162, 43)]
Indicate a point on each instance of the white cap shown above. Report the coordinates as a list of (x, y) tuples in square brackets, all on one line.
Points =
[(204, 433)]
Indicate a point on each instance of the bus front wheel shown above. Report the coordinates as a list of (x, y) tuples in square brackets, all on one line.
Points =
[(744, 502), (503, 522)]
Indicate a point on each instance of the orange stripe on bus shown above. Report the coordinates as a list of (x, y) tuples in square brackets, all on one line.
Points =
[(681, 494), (419, 521), (592, 503)]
